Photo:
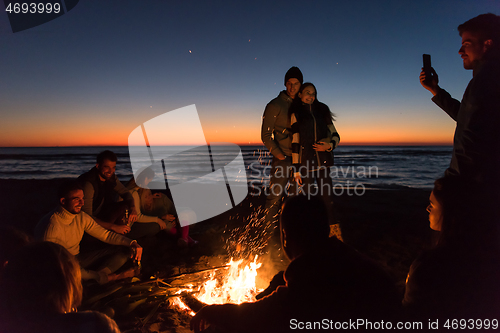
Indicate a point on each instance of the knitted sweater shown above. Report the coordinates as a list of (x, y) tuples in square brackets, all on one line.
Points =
[(66, 229)]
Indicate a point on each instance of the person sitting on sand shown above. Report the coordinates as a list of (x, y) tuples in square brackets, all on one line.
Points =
[(40, 291), (458, 278), (66, 225), (325, 279), (155, 212), (101, 189)]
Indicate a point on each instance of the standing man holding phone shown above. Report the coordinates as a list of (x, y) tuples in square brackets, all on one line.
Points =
[(275, 135), (476, 144)]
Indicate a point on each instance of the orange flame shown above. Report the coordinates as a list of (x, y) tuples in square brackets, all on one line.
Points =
[(176, 301), (236, 286)]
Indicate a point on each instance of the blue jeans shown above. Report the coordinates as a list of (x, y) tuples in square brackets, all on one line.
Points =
[(323, 189)]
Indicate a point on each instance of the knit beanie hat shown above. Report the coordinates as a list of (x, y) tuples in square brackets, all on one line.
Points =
[(294, 73)]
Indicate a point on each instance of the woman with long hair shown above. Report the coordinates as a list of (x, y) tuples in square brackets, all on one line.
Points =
[(458, 277), (155, 212), (313, 139), (40, 290)]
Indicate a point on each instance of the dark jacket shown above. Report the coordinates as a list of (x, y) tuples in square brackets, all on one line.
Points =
[(276, 125), (97, 192), (309, 125), (476, 144), (449, 282)]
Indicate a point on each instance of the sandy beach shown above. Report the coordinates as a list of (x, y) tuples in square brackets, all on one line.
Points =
[(389, 226)]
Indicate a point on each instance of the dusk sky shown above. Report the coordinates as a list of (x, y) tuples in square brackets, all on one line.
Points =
[(94, 74)]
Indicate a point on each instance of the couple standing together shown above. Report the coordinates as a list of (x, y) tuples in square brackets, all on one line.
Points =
[(298, 131)]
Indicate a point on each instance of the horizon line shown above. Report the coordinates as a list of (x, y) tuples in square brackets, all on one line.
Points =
[(261, 144)]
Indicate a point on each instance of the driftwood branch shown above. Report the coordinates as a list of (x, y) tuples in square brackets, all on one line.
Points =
[(193, 303), (196, 272)]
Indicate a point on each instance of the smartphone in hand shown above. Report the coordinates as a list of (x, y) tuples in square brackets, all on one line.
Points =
[(427, 67)]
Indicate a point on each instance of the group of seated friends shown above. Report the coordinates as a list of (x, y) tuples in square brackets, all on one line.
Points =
[(41, 282), (97, 206)]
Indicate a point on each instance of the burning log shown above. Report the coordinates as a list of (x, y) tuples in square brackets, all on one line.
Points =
[(236, 285), (198, 271), (185, 293), (192, 302)]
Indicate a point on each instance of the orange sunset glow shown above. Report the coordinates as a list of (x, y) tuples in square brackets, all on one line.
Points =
[(39, 135), (112, 126)]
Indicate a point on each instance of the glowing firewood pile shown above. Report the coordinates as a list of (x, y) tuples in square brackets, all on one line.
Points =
[(171, 301), (234, 283), (141, 303)]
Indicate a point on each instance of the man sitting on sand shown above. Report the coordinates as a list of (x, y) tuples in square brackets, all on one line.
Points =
[(101, 189), (66, 225), (326, 282)]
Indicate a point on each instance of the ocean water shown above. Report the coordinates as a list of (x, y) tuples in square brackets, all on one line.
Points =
[(372, 166)]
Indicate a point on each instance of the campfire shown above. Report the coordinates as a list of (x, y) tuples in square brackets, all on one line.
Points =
[(169, 301), (233, 283), (236, 286)]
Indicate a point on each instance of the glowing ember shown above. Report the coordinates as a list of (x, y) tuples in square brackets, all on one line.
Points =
[(176, 301)]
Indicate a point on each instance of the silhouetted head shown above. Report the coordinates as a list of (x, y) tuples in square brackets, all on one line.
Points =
[(70, 195), (303, 225), (144, 177), (42, 278), (435, 210), (11, 241), (293, 80), (464, 212), (106, 155), (106, 164), (294, 73), (480, 39)]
